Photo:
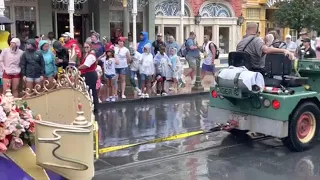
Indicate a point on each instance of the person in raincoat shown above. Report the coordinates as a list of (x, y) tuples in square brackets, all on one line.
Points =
[(143, 41), (173, 69), (161, 61), (146, 70), (49, 60)]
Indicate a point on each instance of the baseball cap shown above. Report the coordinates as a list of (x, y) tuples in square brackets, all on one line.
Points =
[(66, 34), (159, 35), (288, 36), (121, 39)]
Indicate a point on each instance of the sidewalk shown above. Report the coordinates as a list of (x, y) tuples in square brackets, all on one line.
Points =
[(132, 96)]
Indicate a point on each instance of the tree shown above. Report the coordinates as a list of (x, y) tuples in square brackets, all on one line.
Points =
[(298, 14)]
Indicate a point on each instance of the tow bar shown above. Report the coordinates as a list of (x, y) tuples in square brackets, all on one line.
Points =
[(221, 127), (216, 128)]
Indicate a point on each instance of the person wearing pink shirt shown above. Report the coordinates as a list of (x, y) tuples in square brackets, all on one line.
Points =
[(9, 62)]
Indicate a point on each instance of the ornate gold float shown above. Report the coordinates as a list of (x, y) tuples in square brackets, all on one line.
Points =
[(66, 142)]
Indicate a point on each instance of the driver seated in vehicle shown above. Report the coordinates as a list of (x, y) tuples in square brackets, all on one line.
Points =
[(257, 49), (307, 51)]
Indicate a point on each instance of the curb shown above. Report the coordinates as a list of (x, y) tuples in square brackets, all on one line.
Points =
[(152, 98)]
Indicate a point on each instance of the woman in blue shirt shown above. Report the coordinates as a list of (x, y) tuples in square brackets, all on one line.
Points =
[(49, 60)]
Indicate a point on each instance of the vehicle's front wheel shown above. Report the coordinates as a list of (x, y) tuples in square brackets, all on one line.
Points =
[(303, 127)]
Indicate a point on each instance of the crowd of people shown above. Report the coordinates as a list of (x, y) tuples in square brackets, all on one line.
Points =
[(105, 66), (304, 47), (149, 65)]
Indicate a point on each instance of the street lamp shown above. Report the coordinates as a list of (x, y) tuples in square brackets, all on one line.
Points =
[(240, 20), (197, 85), (197, 19)]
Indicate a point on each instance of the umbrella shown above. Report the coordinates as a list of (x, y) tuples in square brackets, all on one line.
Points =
[(4, 20)]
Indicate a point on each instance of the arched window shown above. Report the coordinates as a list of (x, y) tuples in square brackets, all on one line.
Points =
[(215, 10), (170, 8)]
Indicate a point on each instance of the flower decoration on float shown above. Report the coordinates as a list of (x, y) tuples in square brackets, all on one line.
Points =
[(16, 122)]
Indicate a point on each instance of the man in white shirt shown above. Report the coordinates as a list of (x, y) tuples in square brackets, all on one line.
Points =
[(289, 45), (209, 51)]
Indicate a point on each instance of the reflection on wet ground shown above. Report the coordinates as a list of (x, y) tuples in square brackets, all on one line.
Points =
[(142, 122)]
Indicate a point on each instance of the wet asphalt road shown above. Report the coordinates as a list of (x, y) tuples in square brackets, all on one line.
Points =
[(213, 156)]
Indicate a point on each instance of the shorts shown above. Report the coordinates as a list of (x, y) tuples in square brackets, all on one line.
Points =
[(109, 76), (144, 77), (36, 80), (162, 78), (7, 76), (122, 71), (208, 68), (192, 61)]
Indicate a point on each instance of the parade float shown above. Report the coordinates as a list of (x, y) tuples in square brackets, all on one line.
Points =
[(50, 133)]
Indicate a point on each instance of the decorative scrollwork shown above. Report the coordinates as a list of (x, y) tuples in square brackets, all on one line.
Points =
[(215, 10), (170, 8), (70, 78)]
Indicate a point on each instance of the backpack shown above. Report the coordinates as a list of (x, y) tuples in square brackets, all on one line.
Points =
[(217, 51), (183, 50)]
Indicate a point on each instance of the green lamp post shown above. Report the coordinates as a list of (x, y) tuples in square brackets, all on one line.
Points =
[(197, 86)]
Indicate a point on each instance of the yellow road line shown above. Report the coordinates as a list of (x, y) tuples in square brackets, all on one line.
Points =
[(170, 138)]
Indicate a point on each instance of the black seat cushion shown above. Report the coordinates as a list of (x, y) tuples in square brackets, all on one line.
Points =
[(271, 82), (239, 58), (277, 65)]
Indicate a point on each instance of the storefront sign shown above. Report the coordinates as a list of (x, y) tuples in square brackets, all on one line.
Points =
[(270, 3)]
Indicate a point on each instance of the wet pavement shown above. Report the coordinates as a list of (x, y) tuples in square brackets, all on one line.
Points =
[(134, 123), (213, 156), (240, 162)]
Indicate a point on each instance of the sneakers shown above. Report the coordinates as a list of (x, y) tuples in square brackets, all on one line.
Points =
[(123, 97), (113, 99), (144, 95), (164, 93), (138, 91), (108, 99)]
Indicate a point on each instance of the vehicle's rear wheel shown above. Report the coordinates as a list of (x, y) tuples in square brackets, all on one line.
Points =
[(303, 127)]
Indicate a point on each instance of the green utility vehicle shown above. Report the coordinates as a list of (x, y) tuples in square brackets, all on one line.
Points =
[(288, 107)]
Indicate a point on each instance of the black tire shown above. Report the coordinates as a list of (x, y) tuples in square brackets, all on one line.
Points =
[(238, 132), (292, 142)]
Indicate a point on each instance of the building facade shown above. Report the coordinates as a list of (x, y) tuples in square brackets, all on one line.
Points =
[(109, 17), (218, 20), (262, 12)]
